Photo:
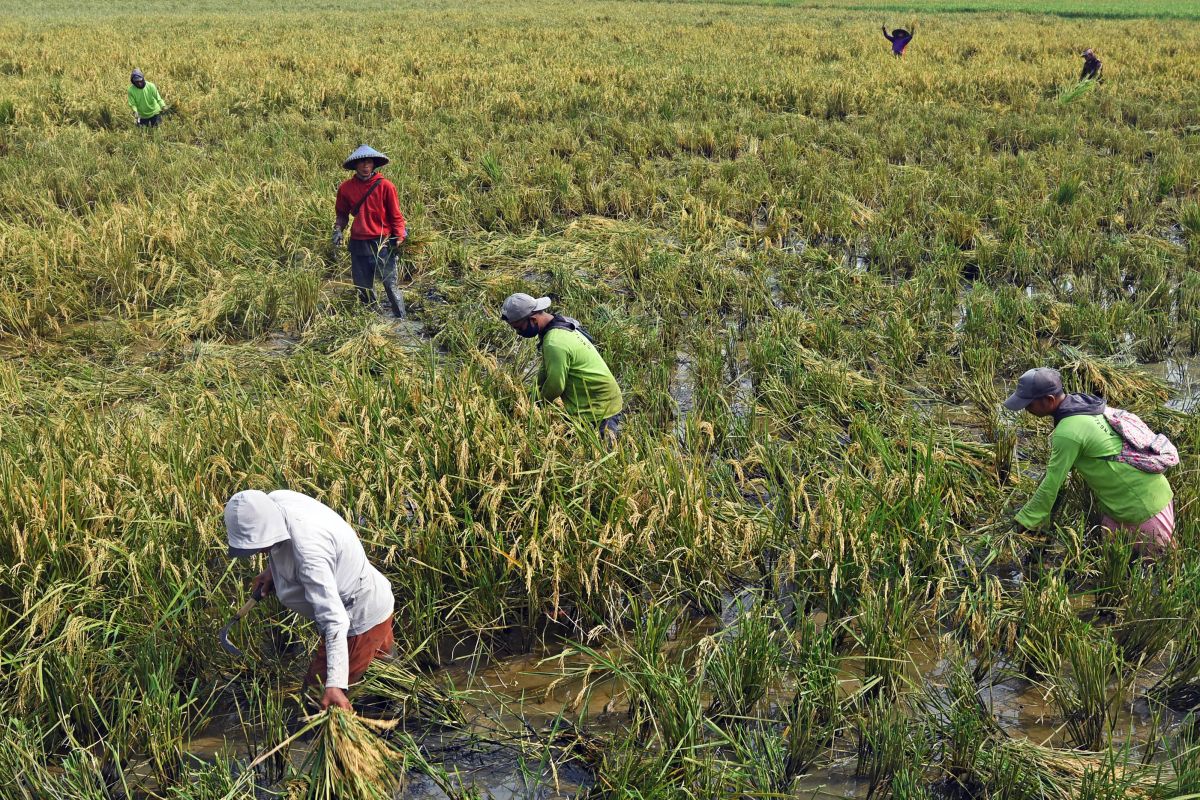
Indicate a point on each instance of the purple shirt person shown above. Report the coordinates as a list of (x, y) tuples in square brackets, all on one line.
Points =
[(899, 39), (1091, 66)]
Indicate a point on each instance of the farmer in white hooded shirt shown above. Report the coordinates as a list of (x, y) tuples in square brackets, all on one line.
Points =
[(317, 567)]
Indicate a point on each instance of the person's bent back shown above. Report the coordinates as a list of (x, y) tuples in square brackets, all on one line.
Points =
[(1083, 440), (572, 368), (318, 568)]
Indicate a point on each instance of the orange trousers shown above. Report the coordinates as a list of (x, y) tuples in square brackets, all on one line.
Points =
[(364, 648)]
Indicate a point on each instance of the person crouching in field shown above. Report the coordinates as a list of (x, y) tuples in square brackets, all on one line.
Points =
[(378, 227), (899, 39), (1131, 498), (1091, 67), (571, 367), (144, 99), (317, 567)]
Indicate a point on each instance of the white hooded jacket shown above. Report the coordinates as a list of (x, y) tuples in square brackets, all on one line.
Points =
[(318, 565)]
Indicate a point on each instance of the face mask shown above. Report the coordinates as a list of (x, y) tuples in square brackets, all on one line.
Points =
[(529, 331)]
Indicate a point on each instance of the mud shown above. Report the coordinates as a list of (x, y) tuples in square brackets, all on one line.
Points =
[(525, 715)]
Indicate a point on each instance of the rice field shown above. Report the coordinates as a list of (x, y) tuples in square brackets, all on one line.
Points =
[(814, 269)]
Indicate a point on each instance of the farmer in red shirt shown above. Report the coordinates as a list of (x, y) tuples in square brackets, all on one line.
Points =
[(378, 227)]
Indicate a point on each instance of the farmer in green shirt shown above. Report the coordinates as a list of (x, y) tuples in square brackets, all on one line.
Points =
[(571, 367), (1083, 440), (144, 99)]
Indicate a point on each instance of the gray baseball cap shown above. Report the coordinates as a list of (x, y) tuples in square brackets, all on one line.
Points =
[(1040, 382), (519, 306)]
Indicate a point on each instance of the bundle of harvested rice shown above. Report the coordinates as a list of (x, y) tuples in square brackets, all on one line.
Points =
[(349, 761)]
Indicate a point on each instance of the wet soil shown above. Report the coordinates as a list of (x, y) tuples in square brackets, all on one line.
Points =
[(520, 708)]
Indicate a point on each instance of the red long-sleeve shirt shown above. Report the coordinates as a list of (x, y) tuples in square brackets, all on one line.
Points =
[(379, 217)]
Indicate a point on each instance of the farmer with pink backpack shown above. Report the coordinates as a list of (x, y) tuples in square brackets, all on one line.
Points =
[(1119, 458)]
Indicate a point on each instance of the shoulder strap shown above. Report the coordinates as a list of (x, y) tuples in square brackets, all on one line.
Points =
[(561, 323), (363, 199)]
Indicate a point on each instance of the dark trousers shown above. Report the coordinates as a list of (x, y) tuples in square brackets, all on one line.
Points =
[(369, 257), (610, 428), (151, 122)]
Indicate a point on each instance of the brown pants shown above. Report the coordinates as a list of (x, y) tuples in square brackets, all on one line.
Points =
[(364, 649)]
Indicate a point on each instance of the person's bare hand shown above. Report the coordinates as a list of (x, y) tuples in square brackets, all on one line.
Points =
[(335, 697), (264, 581)]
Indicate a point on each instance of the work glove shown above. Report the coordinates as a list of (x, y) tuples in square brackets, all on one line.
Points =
[(336, 240)]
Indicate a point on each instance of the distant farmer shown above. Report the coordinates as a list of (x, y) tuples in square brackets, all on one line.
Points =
[(571, 366), (144, 99), (1091, 66), (899, 39), (1131, 498), (317, 567), (378, 227)]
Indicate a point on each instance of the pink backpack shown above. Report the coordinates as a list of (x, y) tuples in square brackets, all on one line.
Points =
[(1143, 448)]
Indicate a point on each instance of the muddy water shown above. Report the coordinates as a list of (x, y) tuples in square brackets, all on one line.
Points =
[(514, 707), (683, 391), (1183, 375)]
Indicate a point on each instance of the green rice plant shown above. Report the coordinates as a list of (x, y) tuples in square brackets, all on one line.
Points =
[(1184, 754), (666, 698), (889, 742), (911, 783), (746, 661), (1151, 615), (964, 725), (1090, 688), (22, 766), (651, 628), (264, 710), (1189, 219), (886, 623), (1046, 618), (208, 781), (983, 620), (815, 713), (1116, 570)]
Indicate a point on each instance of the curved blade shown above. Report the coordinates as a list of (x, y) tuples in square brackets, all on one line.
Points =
[(223, 635)]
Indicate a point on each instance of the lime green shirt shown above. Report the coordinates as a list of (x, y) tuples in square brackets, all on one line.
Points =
[(147, 102), (573, 370), (1083, 443)]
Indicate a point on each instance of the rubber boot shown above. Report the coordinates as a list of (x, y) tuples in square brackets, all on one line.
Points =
[(366, 296), (395, 298)]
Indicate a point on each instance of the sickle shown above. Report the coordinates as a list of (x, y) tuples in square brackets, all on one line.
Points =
[(223, 636)]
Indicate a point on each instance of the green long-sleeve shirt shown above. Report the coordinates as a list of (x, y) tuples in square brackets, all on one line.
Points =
[(146, 102), (573, 370), (1084, 443)]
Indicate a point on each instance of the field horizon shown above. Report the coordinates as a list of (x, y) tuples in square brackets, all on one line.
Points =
[(1070, 9)]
